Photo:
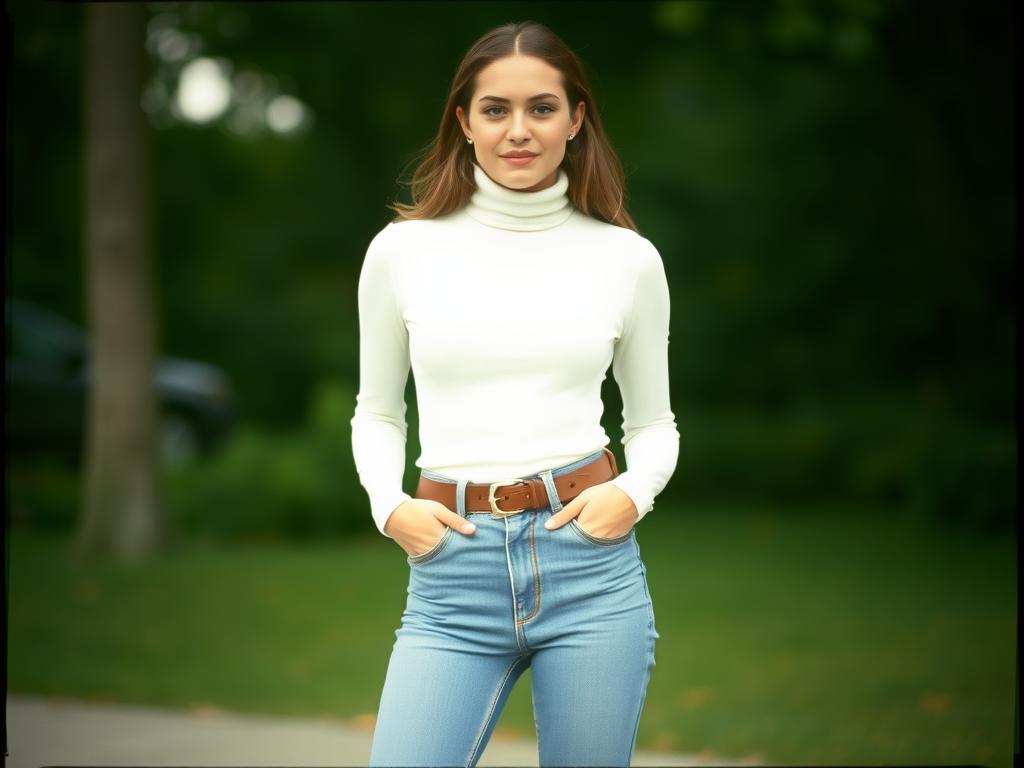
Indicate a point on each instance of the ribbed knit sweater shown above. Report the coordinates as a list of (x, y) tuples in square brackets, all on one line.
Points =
[(509, 312)]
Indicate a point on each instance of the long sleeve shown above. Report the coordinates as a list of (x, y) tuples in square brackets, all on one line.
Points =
[(640, 367), (379, 427)]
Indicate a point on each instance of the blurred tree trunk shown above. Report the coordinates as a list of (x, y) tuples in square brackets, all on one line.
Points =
[(122, 515)]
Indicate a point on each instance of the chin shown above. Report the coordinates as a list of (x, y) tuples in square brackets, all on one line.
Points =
[(520, 179), (516, 181), (519, 182)]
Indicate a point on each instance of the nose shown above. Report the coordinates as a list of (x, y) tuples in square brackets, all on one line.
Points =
[(518, 129)]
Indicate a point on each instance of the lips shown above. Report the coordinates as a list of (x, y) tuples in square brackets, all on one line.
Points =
[(524, 160), (520, 154)]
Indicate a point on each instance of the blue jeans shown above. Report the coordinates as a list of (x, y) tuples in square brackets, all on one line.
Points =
[(482, 608)]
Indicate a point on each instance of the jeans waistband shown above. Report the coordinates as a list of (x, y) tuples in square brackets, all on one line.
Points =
[(555, 471)]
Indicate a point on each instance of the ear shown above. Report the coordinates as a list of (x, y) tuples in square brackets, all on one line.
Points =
[(577, 119)]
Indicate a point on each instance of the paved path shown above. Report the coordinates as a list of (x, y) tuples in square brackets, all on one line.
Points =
[(54, 731)]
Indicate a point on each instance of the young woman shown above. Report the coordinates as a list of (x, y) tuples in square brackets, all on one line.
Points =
[(509, 286)]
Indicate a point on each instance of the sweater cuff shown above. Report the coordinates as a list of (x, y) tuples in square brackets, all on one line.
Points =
[(633, 486), (381, 508)]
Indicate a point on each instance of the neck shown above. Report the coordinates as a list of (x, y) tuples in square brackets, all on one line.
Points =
[(504, 208)]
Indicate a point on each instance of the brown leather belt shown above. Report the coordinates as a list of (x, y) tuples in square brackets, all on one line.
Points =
[(519, 494)]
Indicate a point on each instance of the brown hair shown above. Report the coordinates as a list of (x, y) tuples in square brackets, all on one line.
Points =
[(443, 180)]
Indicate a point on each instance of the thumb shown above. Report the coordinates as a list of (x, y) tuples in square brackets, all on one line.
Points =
[(456, 521)]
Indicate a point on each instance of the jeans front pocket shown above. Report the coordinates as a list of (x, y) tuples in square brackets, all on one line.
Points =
[(434, 551), (599, 541)]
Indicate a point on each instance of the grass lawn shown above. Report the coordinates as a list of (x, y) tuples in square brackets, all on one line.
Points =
[(796, 637)]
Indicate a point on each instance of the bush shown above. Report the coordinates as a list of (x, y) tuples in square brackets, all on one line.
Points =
[(944, 467), (43, 494), (297, 484), (743, 456), (967, 476)]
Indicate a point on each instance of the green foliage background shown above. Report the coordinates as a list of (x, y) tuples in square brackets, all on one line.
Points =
[(830, 184)]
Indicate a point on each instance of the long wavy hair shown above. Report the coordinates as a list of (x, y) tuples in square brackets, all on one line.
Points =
[(443, 180)]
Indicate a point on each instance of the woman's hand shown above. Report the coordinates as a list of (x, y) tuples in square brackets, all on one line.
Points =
[(418, 524), (603, 510)]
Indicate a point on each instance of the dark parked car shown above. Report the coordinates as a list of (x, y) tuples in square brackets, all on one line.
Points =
[(48, 370)]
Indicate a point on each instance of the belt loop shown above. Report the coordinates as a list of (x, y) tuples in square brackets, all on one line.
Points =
[(549, 486), (460, 497)]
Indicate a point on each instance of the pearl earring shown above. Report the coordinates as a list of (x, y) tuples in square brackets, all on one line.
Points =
[(469, 140)]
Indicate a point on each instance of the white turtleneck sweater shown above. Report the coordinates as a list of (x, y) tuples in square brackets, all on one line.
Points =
[(509, 312)]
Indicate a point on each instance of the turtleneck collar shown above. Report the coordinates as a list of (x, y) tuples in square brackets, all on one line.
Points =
[(504, 208)]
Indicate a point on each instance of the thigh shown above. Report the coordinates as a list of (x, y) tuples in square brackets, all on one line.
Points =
[(440, 704), (587, 700), (591, 669), (455, 659)]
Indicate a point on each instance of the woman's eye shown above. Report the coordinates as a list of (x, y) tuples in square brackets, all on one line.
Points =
[(490, 110)]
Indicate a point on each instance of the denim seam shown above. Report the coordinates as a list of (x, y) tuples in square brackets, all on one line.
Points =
[(474, 753), (647, 594), (599, 541), (536, 576), (434, 551), (512, 583), (652, 639)]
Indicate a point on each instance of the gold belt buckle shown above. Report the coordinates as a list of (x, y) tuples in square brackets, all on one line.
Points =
[(493, 501)]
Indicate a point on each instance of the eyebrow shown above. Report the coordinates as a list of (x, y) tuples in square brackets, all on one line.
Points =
[(532, 98)]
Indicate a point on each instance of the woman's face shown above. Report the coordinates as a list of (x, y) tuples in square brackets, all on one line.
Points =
[(520, 105)]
